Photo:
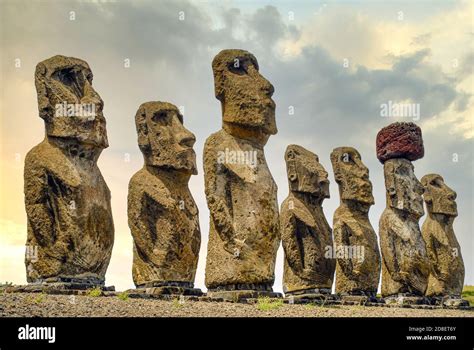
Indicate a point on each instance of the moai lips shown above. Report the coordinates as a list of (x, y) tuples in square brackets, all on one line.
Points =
[(400, 140), (70, 226), (162, 214)]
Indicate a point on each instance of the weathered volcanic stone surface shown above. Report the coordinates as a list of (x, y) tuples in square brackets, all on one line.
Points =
[(241, 194), (400, 140), (306, 235), (70, 226), (447, 267), (357, 273), (405, 263), (162, 214)]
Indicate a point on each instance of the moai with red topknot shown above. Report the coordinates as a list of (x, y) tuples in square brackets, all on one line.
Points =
[(405, 263)]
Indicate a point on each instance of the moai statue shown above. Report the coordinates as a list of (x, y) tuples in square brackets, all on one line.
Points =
[(405, 267), (358, 267), (306, 236), (447, 268), (70, 226), (162, 214), (241, 193)]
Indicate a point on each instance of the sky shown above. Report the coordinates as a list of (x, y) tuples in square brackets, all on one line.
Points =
[(333, 64)]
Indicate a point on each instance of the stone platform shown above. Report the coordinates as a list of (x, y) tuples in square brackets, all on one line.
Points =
[(62, 285), (165, 290)]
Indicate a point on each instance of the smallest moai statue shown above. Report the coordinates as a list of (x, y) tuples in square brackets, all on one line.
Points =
[(306, 235), (447, 268)]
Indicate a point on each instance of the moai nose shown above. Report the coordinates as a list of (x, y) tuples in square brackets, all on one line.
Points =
[(268, 87), (186, 138), (452, 195)]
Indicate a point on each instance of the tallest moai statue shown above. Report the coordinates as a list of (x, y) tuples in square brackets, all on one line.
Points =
[(241, 193), (70, 227)]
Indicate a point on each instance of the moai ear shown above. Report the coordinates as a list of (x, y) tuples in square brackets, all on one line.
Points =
[(291, 166), (142, 130), (425, 182), (337, 176), (335, 159), (390, 184), (44, 107)]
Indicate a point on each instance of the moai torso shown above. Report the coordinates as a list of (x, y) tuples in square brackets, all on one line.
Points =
[(405, 267), (240, 191), (67, 200), (252, 198), (447, 266), (306, 235), (162, 214), (357, 274)]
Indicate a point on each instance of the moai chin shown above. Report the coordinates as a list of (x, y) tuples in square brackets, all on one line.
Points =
[(405, 264), (70, 226), (241, 193), (162, 214), (306, 236), (447, 268), (358, 267)]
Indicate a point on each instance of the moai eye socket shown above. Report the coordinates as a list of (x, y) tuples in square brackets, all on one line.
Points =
[(238, 66), (160, 117), (347, 158), (70, 78)]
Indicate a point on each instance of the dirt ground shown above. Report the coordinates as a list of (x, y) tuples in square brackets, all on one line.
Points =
[(45, 305)]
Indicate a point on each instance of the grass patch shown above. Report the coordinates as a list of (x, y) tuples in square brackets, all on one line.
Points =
[(123, 296), (468, 294), (267, 304), (178, 303), (40, 298), (96, 292)]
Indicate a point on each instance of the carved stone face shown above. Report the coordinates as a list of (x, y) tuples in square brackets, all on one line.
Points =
[(68, 103), (351, 175), (163, 139), (305, 173), (439, 198), (404, 191), (244, 93)]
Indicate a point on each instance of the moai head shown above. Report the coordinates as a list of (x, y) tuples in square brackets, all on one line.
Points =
[(67, 102), (439, 198), (305, 173), (404, 191), (351, 175), (163, 139), (244, 93)]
